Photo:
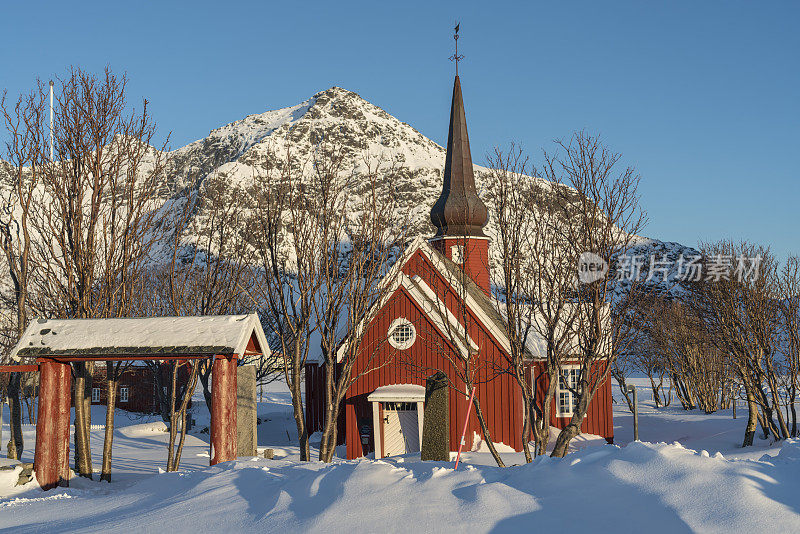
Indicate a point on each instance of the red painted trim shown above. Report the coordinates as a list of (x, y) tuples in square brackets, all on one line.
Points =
[(18, 368)]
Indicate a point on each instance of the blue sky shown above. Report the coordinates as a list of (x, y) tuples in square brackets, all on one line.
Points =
[(701, 97)]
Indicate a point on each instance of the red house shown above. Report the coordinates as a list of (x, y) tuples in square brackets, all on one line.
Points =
[(437, 314), (137, 390)]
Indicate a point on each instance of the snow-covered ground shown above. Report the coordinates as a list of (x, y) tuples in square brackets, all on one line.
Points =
[(707, 483)]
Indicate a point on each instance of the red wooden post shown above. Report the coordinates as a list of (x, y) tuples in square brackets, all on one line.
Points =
[(223, 409), (51, 457)]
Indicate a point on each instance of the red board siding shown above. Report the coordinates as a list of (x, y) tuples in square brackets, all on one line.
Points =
[(141, 384), (500, 401), (315, 403), (315, 382), (599, 417), (382, 365)]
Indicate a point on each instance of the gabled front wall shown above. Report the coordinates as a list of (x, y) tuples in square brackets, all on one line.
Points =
[(497, 393)]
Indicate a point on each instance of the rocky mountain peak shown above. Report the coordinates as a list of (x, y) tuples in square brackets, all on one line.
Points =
[(246, 148)]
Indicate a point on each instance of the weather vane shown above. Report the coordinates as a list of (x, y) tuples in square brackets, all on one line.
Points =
[(455, 57)]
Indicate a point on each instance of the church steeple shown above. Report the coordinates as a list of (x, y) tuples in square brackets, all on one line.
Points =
[(459, 211), (459, 215)]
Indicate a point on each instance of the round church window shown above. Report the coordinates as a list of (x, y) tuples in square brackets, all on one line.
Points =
[(402, 334)]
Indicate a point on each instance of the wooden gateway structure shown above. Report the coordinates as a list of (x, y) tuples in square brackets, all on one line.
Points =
[(438, 312), (55, 343)]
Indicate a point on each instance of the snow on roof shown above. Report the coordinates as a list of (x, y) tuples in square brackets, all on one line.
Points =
[(398, 392), (150, 336)]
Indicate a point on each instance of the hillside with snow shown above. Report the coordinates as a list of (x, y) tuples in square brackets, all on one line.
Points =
[(247, 148), (251, 148)]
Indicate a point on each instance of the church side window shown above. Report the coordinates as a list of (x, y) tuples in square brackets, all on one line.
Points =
[(567, 383), (457, 254)]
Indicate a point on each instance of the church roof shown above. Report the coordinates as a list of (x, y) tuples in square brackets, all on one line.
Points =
[(459, 211), (474, 291), (484, 308)]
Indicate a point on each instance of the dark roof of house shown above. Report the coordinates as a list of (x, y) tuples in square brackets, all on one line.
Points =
[(144, 337)]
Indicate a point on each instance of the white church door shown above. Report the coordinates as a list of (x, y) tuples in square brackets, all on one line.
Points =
[(400, 428)]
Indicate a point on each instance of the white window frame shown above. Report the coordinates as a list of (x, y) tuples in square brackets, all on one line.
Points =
[(457, 254), (123, 394), (95, 394), (407, 344), (566, 391)]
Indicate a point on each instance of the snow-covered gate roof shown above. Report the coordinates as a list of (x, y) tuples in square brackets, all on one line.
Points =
[(142, 337)]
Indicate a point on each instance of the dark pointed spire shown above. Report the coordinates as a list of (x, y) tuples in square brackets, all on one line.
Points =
[(459, 210)]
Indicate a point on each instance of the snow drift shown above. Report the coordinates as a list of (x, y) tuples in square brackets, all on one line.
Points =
[(641, 487)]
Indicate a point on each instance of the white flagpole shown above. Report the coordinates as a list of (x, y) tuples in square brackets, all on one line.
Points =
[(51, 121)]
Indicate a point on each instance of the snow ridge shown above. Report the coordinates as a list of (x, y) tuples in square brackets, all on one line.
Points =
[(245, 149)]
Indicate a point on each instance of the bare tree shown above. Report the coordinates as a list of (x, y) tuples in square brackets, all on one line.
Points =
[(128, 235), (209, 266), (361, 238), (205, 265), (91, 230), (789, 345), (620, 370), (21, 169), (740, 307), (174, 393), (285, 244), (677, 343), (508, 188), (533, 286), (601, 207)]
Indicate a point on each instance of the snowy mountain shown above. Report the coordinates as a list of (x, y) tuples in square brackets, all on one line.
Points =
[(248, 148), (244, 149)]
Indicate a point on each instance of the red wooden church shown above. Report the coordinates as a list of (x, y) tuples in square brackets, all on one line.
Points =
[(439, 286)]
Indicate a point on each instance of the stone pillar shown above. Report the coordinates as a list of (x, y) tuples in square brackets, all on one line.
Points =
[(51, 456), (436, 425), (223, 409), (246, 419)]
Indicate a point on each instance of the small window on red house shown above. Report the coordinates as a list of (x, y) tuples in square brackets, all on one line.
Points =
[(95, 394), (123, 394)]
